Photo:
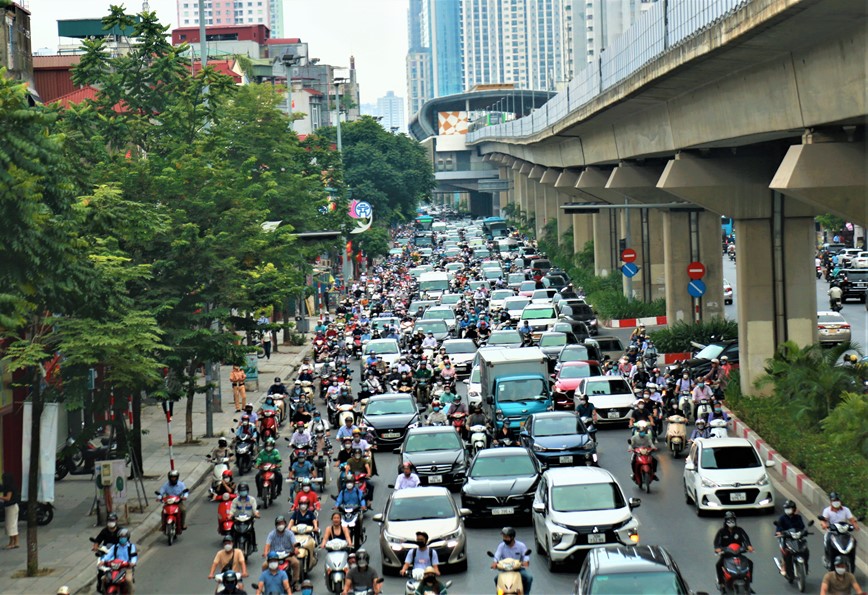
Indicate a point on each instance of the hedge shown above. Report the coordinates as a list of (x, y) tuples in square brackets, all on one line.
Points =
[(677, 337)]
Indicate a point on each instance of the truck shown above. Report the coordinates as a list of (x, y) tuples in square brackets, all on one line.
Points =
[(494, 227), (514, 384)]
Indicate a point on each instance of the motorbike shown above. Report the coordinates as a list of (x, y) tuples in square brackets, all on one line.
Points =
[(684, 402), (843, 544), (336, 564), (718, 428), (267, 426), (508, 576), (736, 570), (590, 426), (819, 271), (172, 515), (306, 551), (457, 421), (114, 576), (357, 348), (344, 411), (224, 518), (244, 447), (416, 579), (676, 434), (478, 438), (835, 305), (269, 486), (794, 545), (423, 392), (643, 468), (242, 533), (351, 518), (77, 458), (220, 465), (703, 408)]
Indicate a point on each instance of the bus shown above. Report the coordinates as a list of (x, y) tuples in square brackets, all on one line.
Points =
[(726, 225)]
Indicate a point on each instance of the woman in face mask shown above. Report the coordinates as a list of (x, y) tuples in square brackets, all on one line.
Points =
[(430, 584), (228, 558)]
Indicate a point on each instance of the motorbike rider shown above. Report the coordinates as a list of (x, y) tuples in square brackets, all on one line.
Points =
[(278, 388), (221, 451), (728, 534), (228, 557), (405, 383), (282, 540), (301, 437), (430, 584), (641, 413), (643, 439), (269, 454), (717, 412), (226, 485), (406, 478), (346, 430), (840, 581), (835, 295), (245, 504), (108, 536), (586, 409), (516, 550), (835, 513), (458, 407), (305, 374), (700, 431), (436, 416), (421, 556), (423, 373), (403, 366), (124, 550), (306, 491), (362, 576), (175, 487), (477, 417), (304, 514), (248, 410), (336, 530), (790, 520), (700, 392), (273, 581), (429, 342), (246, 429), (351, 496), (230, 584)]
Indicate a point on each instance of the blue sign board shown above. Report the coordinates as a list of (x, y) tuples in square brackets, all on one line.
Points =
[(629, 269), (363, 209), (696, 288)]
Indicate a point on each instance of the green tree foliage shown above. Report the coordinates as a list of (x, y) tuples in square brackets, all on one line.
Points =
[(847, 425), (677, 337)]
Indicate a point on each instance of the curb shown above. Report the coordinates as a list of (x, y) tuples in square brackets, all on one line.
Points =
[(634, 322), (671, 358), (794, 480)]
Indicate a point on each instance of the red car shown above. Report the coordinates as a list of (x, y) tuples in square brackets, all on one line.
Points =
[(567, 379)]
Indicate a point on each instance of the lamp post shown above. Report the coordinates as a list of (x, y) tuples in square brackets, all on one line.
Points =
[(337, 82), (289, 60)]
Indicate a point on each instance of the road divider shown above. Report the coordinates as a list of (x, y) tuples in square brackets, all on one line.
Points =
[(633, 322)]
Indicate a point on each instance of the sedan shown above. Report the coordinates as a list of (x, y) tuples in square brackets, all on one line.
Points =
[(461, 353), (727, 292), (428, 509), (498, 297), (501, 482), (515, 280), (390, 416), (567, 380), (543, 296), (437, 453), (832, 328), (630, 569), (527, 288), (438, 328), (559, 438), (611, 396), (578, 353), (551, 344), (441, 313), (727, 473), (515, 305)]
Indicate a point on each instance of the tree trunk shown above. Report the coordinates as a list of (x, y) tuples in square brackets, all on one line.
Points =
[(136, 435), (191, 393), (33, 475)]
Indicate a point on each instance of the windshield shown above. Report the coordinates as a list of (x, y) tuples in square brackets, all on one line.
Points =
[(553, 340), (733, 457), (511, 304), (516, 277), (504, 338), (585, 497), (432, 326), (380, 323), (381, 348), (558, 426), (436, 441), (831, 319), (390, 407), (613, 386), (416, 509), (537, 313), (450, 299), (531, 389), (502, 466), (528, 286), (438, 314), (576, 372), (710, 352), (637, 583), (465, 346), (434, 285), (575, 353), (501, 294), (492, 273)]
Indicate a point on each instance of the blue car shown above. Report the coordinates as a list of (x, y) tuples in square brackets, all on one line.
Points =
[(559, 438)]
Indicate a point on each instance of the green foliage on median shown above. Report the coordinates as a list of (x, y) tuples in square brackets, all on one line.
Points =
[(677, 337)]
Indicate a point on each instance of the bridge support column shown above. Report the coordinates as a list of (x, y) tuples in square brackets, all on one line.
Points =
[(776, 287), (549, 180), (521, 190), (583, 231), (535, 175), (605, 242)]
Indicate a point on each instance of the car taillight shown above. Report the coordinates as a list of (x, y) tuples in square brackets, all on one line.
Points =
[(845, 325)]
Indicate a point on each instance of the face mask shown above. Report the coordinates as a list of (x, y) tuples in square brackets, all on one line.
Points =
[(350, 486), (123, 540), (269, 448), (111, 524), (836, 504), (429, 579), (641, 406), (302, 507), (357, 457), (789, 511), (840, 569), (346, 446), (730, 524), (272, 565), (716, 410), (437, 409), (306, 488), (420, 543), (643, 433), (243, 493), (281, 527), (701, 385), (227, 547)]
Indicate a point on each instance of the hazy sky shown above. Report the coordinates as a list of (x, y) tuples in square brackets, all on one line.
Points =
[(374, 31)]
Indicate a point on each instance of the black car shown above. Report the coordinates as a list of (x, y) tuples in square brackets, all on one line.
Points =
[(586, 352), (501, 482), (390, 415), (700, 364), (579, 311), (853, 284), (630, 569), (437, 453), (559, 438)]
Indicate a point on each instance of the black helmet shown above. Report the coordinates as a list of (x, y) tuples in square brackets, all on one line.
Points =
[(280, 519), (243, 486), (230, 578), (112, 516), (729, 516), (222, 442), (508, 531), (789, 504), (834, 496), (277, 380), (174, 474)]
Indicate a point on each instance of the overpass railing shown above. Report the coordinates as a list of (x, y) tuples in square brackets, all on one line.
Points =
[(660, 29)]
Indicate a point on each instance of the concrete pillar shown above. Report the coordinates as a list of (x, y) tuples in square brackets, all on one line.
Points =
[(549, 180), (551, 202), (583, 230), (505, 197), (534, 175), (605, 242)]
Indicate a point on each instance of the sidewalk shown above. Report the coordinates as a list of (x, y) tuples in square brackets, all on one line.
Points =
[(63, 544)]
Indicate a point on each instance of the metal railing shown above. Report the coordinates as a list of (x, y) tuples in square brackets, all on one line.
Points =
[(658, 30)]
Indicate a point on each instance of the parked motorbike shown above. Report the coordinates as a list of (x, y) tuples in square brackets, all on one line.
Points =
[(676, 434), (336, 564), (736, 570), (794, 545), (508, 576), (172, 515)]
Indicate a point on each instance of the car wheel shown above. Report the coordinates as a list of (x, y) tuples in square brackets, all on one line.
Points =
[(687, 499), (699, 511), (389, 571), (551, 564), (539, 548)]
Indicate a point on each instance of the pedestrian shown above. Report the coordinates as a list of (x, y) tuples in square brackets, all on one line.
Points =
[(266, 343), (10, 496), (239, 389)]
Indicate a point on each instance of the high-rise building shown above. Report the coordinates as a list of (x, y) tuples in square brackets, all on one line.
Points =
[(597, 23), (234, 12), (390, 110), (434, 53)]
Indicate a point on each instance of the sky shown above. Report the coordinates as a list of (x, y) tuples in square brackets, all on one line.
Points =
[(374, 31)]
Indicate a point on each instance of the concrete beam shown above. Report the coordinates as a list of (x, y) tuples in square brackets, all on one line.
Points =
[(526, 168), (517, 164), (831, 177), (551, 175), (592, 183), (638, 182), (536, 172), (566, 182)]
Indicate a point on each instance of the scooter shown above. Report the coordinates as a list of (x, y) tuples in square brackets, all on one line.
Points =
[(345, 411), (416, 579), (306, 551), (835, 305), (676, 434), (478, 438), (643, 468), (244, 453), (172, 515), (736, 570), (351, 519), (224, 518), (269, 485), (114, 576), (242, 533), (684, 400), (703, 408), (267, 426), (336, 564), (508, 576), (843, 544), (590, 426), (718, 428), (794, 545), (220, 465)]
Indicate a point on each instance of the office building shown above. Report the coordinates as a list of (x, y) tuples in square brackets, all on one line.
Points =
[(597, 23), (390, 110), (434, 56), (234, 12)]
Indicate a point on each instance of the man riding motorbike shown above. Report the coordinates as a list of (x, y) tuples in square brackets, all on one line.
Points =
[(790, 520), (269, 454), (728, 534), (437, 417)]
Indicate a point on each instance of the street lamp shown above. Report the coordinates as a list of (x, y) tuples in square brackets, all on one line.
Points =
[(337, 82), (288, 61)]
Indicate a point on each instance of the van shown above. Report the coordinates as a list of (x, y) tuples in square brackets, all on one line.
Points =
[(611, 346), (433, 284)]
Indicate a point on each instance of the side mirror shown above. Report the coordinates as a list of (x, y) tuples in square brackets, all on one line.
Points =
[(770, 463), (465, 512), (539, 507), (811, 523), (396, 451), (156, 493), (378, 518), (489, 554), (634, 503), (689, 466), (466, 381)]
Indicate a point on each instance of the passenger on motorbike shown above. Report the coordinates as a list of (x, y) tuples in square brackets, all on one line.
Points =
[(790, 520), (269, 454), (700, 431), (728, 534), (515, 550), (437, 417), (306, 491), (124, 550), (248, 410)]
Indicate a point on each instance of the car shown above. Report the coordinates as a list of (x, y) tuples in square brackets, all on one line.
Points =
[(832, 328), (638, 570), (515, 305), (437, 453), (556, 280), (527, 288), (424, 304), (515, 280), (567, 379), (610, 346), (501, 482), (498, 298), (461, 353), (700, 364), (454, 267), (390, 416), (450, 299), (540, 265), (727, 474), (559, 438), (551, 343), (439, 328), (428, 509), (578, 311), (846, 256), (505, 338), (587, 352), (539, 317), (860, 261), (611, 396), (474, 387), (441, 313), (727, 292), (543, 296), (387, 348), (492, 274), (578, 508), (853, 283), (474, 285)]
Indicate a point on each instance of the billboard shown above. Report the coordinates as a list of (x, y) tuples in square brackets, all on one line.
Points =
[(452, 122)]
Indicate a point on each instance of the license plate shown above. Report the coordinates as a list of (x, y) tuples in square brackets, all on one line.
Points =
[(503, 510), (738, 497), (435, 479), (391, 435), (613, 415), (565, 459), (596, 538)]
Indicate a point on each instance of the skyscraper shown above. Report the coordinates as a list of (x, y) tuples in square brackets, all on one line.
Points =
[(597, 23), (434, 53), (390, 109), (275, 20), (234, 12)]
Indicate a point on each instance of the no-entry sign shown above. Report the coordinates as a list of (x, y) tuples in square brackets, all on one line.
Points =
[(628, 255), (696, 270)]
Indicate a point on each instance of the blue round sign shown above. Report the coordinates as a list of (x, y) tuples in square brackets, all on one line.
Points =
[(696, 288), (363, 210), (629, 269)]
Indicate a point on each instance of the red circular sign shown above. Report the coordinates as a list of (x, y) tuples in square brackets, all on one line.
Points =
[(628, 255), (696, 270)]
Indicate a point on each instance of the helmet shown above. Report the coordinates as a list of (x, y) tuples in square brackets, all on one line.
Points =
[(280, 519), (700, 423), (277, 380), (642, 425), (362, 557), (729, 516), (789, 504), (245, 419), (174, 474), (227, 473), (841, 561), (229, 577), (297, 381), (834, 496), (112, 516), (228, 538), (269, 441), (243, 486), (273, 556), (222, 442), (724, 358), (508, 531), (303, 500), (124, 533), (715, 361), (299, 424), (357, 451), (305, 481)]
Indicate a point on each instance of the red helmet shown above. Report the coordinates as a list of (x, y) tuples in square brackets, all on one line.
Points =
[(227, 473), (303, 500)]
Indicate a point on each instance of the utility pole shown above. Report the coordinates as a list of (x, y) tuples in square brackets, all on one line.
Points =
[(338, 82)]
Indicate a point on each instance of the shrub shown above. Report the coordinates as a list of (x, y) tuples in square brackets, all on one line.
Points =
[(613, 304), (676, 337)]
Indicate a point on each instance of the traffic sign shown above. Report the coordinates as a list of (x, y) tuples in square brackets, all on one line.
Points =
[(696, 288), (628, 255), (696, 270), (363, 209), (629, 270)]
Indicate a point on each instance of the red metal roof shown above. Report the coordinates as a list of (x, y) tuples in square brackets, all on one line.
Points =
[(221, 66), (81, 95)]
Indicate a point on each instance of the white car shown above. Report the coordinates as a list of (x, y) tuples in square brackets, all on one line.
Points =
[(543, 296), (540, 317), (860, 261), (441, 313), (727, 474), (474, 387), (461, 353), (498, 298), (387, 348), (578, 508), (611, 396), (515, 306)]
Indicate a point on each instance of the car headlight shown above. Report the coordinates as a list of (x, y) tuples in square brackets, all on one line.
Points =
[(473, 393), (415, 424), (539, 448), (454, 535), (764, 481), (393, 539), (499, 415), (707, 483), (557, 537)]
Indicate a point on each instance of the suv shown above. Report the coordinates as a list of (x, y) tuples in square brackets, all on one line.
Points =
[(437, 453), (578, 508), (853, 283), (618, 569), (578, 310)]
